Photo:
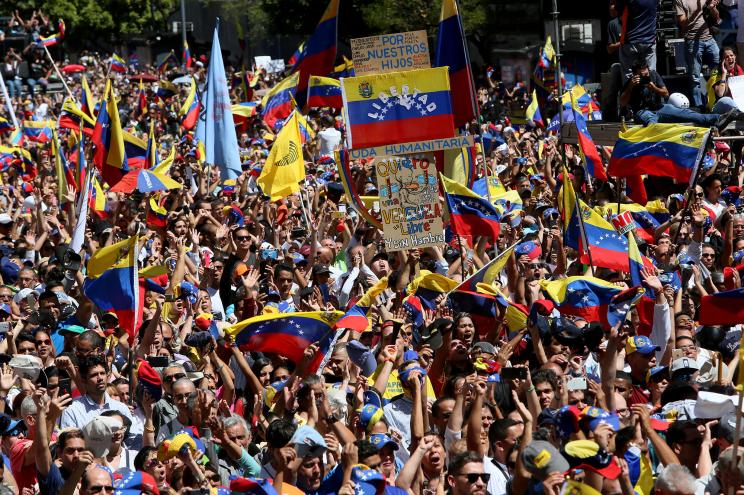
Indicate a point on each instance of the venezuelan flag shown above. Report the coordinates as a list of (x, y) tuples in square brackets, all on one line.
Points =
[(156, 215), (62, 170), (82, 166), (666, 150), (355, 317), (452, 53), (723, 308), (588, 149), (166, 89), (112, 283), (141, 98), (97, 200), (118, 64), (110, 156), (593, 235), (278, 102), (587, 297), (319, 54), (151, 157), (169, 59), (469, 213), (645, 305), (346, 69), (646, 224), (189, 111), (243, 112), (375, 118), (73, 118), (489, 273), (136, 151), (533, 111), (496, 188), (187, 60), (297, 55), (87, 101), (429, 286), (6, 125), (39, 131), (324, 92), (459, 165), (287, 334)]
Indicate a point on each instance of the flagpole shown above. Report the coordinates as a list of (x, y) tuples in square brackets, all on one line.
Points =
[(582, 229), (474, 103), (558, 78), (487, 265), (693, 181), (8, 102), (59, 74)]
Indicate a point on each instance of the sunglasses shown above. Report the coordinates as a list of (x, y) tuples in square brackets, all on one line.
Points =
[(242, 238), (101, 488), (173, 378), (152, 463), (473, 477), (699, 195)]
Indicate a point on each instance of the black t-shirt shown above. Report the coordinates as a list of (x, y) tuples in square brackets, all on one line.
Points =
[(643, 98)]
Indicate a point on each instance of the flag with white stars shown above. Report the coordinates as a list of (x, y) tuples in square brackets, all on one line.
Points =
[(588, 297)]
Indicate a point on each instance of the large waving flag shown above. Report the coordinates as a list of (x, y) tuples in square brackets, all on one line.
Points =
[(287, 334), (110, 156), (216, 129), (460, 165), (374, 118), (452, 53), (55, 38), (62, 169), (533, 111), (284, 167), (588, 149), (469, 213), (666, 150), (189, 111), (152, 159), (324, 92), (319, 55), (278, 102), (429, 286), (591, 233), (587, 297), (355, 317), (112, 282)]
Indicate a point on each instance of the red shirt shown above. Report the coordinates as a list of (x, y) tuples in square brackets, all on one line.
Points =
[(25, 475)]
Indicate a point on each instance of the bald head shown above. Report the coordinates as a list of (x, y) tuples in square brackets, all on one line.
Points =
[(95, 478)]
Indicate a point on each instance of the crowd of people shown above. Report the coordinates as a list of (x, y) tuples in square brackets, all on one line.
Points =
[(429, 398)]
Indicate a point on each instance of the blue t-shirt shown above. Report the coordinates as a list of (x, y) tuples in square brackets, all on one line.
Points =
[(641, 20), (52, 484)]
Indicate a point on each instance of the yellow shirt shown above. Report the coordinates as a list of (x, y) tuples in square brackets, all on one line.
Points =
[(394, 388)]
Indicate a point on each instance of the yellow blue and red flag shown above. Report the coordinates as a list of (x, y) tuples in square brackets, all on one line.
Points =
[(588, 149), (296, 56), (110, 156), (645, 307), (112, 283), (723, 308), (429, 286), (533, 111), (287, 334), (55, 38), (167, 61), (646, 224), (242, 113), (452, 53), (324, 92), (319, 55), (141, 98), (136, 150), (355, 317), (118, 64), (591, 234), (666, 150), (156, 215), (587, 297), (279, 101), (6, 125), (87, 101), (397, 107), (152, 159), (189, 111), (39, 131), (187, 60), (489, 273), (469, 213)]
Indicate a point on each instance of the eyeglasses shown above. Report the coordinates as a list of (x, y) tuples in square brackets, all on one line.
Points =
[(688, 347), (174, 377), (473, 477), (44, 342), (152, 462), (707, 255), (534, 266), (241, 238), (101, 488)]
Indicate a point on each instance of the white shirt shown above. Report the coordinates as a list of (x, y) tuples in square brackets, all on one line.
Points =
[(329, 139), (499, 476)]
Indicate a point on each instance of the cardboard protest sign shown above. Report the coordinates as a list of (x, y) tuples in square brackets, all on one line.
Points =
[(390, 52), (409, 202)]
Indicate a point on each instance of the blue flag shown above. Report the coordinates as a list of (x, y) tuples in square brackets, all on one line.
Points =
[(216, 129)]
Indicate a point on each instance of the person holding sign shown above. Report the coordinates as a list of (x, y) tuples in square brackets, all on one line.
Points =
[(720, 98)]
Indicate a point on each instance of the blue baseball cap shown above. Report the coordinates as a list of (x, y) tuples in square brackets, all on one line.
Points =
[(595, 416), (380, 440), (641, 344)]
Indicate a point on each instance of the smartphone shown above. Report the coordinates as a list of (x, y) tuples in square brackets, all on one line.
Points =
[(65, 386), (576, 384), (170, 298), (513, 373), (677, 353), (31, 301), (158, 361), (4, 327)]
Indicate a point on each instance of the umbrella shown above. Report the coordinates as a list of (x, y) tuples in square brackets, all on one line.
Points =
[(144, 181), (182, 80), (73, 68), (144, 76)]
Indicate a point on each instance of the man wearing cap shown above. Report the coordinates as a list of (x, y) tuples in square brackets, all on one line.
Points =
[(19, 448), (640, 354), (93, 372)]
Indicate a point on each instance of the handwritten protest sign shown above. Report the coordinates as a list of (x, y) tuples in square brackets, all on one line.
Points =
[(409, 201), (390, 52)]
